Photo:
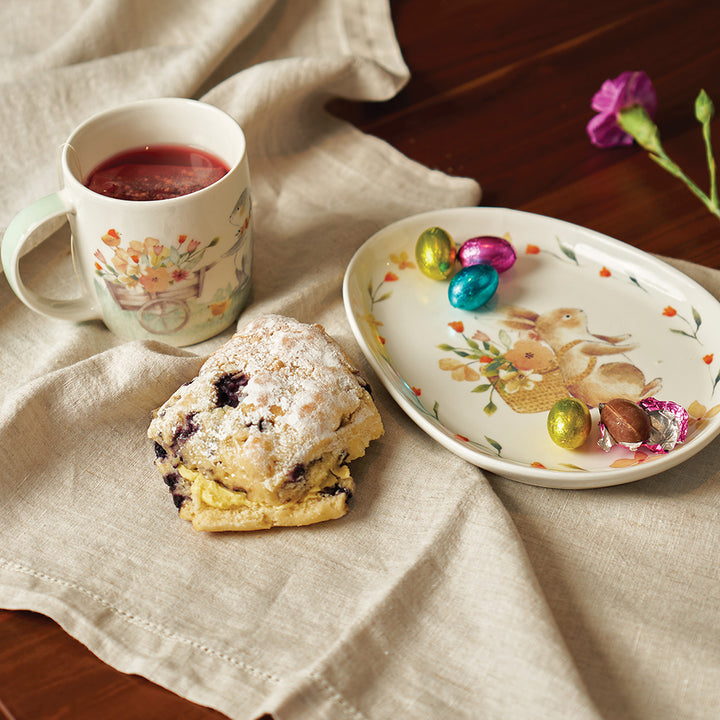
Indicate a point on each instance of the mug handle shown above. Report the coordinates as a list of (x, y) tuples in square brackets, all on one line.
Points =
[(13, 248)]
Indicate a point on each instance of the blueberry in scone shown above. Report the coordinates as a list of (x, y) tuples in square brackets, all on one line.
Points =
[(263, 435)]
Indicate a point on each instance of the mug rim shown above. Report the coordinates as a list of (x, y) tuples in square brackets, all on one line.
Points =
[(79, 185)]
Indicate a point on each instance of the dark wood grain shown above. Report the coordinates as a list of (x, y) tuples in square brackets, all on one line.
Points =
[(45, 673), (500, 92)]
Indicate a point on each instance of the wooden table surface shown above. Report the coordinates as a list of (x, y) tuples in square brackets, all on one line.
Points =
[(500, 92)]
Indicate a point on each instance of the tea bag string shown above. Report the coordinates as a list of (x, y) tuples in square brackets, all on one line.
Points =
[(73, 159), (58, 167)]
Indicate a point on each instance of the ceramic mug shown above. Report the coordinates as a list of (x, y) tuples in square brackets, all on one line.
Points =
[(176, 269)]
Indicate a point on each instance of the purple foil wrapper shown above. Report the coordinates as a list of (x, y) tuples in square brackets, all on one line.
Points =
[(487, 250), (669, 423)]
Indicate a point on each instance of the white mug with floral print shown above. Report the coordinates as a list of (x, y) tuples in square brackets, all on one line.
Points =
[(176, 269)]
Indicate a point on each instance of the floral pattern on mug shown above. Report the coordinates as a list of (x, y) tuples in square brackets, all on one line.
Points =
[(150, 264)]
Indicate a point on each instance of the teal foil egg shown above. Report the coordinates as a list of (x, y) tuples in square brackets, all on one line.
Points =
[(473, 286)]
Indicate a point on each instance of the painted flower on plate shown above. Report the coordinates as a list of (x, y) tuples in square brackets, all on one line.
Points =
[(530, 355), (459, 371), (514, 380)]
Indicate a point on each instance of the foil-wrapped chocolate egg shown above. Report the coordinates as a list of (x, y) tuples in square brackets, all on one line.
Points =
[(488, 250), (625, 420), (473, 286), (568, 423), (435, 253)]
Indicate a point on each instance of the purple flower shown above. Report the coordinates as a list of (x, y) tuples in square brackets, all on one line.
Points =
[(627, 90)]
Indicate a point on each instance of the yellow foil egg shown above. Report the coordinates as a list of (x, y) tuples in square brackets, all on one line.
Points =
[(435, 253), (569, 423)]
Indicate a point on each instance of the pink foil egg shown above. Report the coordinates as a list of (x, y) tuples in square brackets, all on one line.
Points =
[(488, 250)]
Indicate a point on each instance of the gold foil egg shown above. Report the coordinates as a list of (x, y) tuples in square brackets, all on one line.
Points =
[(568, 423), (435, 253)]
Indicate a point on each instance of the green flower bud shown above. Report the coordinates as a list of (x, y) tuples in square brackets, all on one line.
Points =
[(704, 108)]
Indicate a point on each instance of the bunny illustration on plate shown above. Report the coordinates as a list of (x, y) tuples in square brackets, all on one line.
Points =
[(580, 355)]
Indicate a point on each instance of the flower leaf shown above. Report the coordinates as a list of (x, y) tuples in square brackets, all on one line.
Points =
[(494, 366), (495, 444), (505, 339), (481, 388), (567, 251), (635, 281), (490, 408), (697, 318)]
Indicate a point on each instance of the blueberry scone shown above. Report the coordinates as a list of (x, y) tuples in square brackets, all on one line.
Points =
[(263, 435)]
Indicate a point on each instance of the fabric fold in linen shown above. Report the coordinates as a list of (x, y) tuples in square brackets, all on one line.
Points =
[(522, 655), (298, 625)]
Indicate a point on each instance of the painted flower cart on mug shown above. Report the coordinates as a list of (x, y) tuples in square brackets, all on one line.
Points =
[(162, 312), (153, 279), (156, 280)]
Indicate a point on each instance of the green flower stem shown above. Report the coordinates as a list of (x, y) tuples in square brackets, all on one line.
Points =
[(665, 162), (711, 165), (637, 123), (704, 111)]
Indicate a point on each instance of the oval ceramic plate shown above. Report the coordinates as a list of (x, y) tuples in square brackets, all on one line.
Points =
[(481, 383)]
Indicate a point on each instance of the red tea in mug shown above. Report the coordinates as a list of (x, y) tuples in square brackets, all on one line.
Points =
[(156, 172)]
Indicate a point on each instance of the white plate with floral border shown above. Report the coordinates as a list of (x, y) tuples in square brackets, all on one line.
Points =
[(481, 383)]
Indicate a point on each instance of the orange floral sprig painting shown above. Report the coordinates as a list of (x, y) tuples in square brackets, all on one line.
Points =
[(693, 327), (568, 253), (692, 331)]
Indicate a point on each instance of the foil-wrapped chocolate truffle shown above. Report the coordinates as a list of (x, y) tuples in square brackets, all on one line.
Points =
[(625, 420), (668, 427)]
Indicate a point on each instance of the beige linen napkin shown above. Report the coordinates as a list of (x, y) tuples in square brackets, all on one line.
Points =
[(443, 593)]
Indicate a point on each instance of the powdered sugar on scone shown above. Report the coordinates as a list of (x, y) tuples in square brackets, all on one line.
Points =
[(274, 416)]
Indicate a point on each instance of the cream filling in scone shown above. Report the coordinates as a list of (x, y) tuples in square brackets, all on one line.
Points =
[(263, 435), (213, 505)]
